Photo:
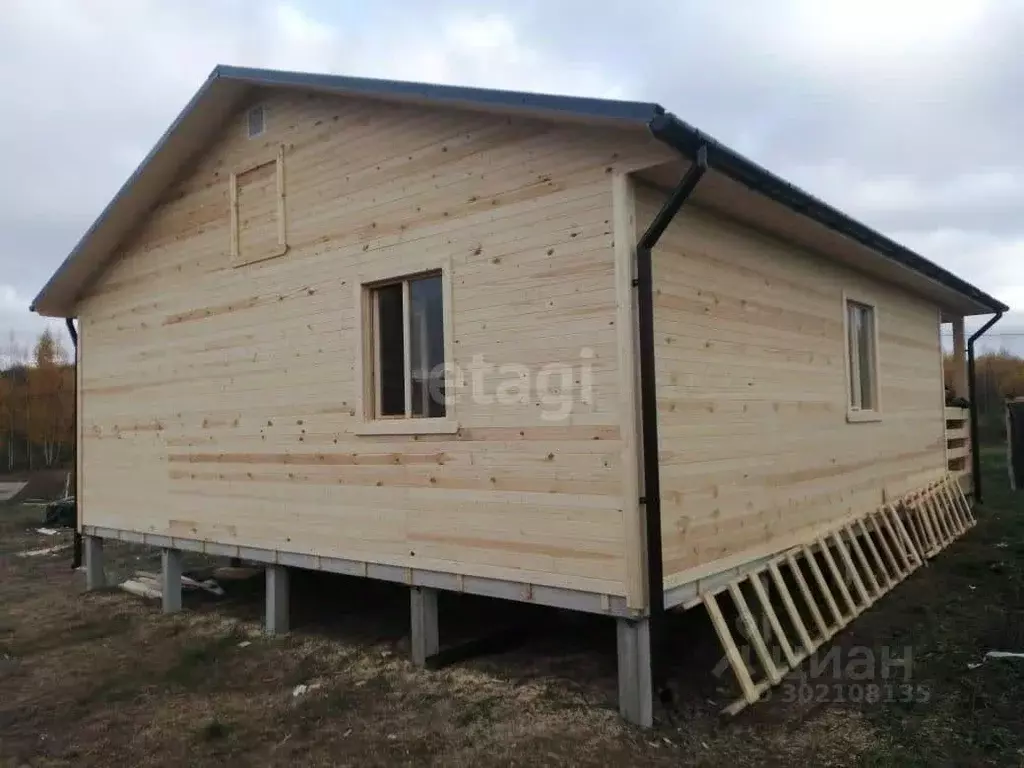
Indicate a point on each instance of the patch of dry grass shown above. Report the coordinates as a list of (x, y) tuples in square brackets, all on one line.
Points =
[(91, 679)]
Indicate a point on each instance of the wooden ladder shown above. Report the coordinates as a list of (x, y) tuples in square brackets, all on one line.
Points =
[(825, 584), (937, 515)]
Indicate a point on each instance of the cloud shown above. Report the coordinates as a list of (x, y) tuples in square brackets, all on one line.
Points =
[(903, 112)]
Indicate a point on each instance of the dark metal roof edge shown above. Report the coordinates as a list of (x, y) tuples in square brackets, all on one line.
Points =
[(128, 184), (608, 109), (688, 140)]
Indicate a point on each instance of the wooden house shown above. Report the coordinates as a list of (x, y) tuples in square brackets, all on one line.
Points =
[(541, 348)]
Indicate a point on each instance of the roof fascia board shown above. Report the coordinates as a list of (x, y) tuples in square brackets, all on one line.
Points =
[(125, 190), (578, 107)]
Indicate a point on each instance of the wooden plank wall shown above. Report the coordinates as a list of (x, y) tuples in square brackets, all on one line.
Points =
[(219, 402), (755, 446)]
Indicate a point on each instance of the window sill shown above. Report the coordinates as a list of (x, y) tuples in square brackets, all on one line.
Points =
[(243, 261), (408, 427), (857, 417)]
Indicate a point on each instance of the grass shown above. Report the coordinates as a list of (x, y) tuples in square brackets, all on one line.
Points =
[(92, 678), (977, 604)]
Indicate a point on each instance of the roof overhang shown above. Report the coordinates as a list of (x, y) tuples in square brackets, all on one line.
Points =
[(745, 190), (737, 185), (726, 196)]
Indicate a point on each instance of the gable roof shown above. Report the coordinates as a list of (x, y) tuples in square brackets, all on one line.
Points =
[(227, 87)]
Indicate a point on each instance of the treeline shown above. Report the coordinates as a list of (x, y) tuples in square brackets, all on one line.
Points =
[(999, 375), (37, 405)]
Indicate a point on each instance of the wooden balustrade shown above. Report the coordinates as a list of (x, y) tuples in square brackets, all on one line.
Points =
[(958, 443)]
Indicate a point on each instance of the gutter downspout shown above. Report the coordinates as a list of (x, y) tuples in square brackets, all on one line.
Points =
[(76, 557), (972, 401), (649, 405)]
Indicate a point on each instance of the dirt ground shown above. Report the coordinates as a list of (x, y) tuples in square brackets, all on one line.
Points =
[(44, 484), (103, 678)]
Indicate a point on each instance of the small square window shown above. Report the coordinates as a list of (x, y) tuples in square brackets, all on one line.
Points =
[(256, 122), (861, 358), (408, 348)]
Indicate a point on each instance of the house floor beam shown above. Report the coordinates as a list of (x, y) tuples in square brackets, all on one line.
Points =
[(556, 597)]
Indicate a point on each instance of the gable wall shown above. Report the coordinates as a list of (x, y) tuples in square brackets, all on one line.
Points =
[(219, 403), (755, 446)]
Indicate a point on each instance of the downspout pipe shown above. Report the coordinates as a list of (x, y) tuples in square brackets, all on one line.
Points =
[(651, 498), (972, 401), (76, 556)]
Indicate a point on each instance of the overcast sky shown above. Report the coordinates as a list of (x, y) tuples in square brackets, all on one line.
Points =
[(908, 114)]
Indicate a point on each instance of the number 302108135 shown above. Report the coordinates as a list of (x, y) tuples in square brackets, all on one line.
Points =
[(853, 693)]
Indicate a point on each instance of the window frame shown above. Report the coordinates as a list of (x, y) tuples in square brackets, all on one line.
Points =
[(367, 367), (239, 259), (851, 365)]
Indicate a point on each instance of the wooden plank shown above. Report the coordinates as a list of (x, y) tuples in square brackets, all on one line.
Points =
[(837, 577), (858, 553), (795, 618), (957, 433), (282, 211), (233, 227), (951, 512), (935, 514), (959, 492), (938, 525), (754, 635), (958, 502), (942, 528), (946, 510), (855, 577), (823, 588), (624, 227), (407, 347), (931, 533), (914, 553), (917, 518), (881, 567), (954, 508), (80, 504), (773, 619), (823, 627), (890, 540), (732, 653), (914, 527)]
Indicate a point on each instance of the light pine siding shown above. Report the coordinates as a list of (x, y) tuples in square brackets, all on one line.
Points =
[(219, 403), (755, 445)]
